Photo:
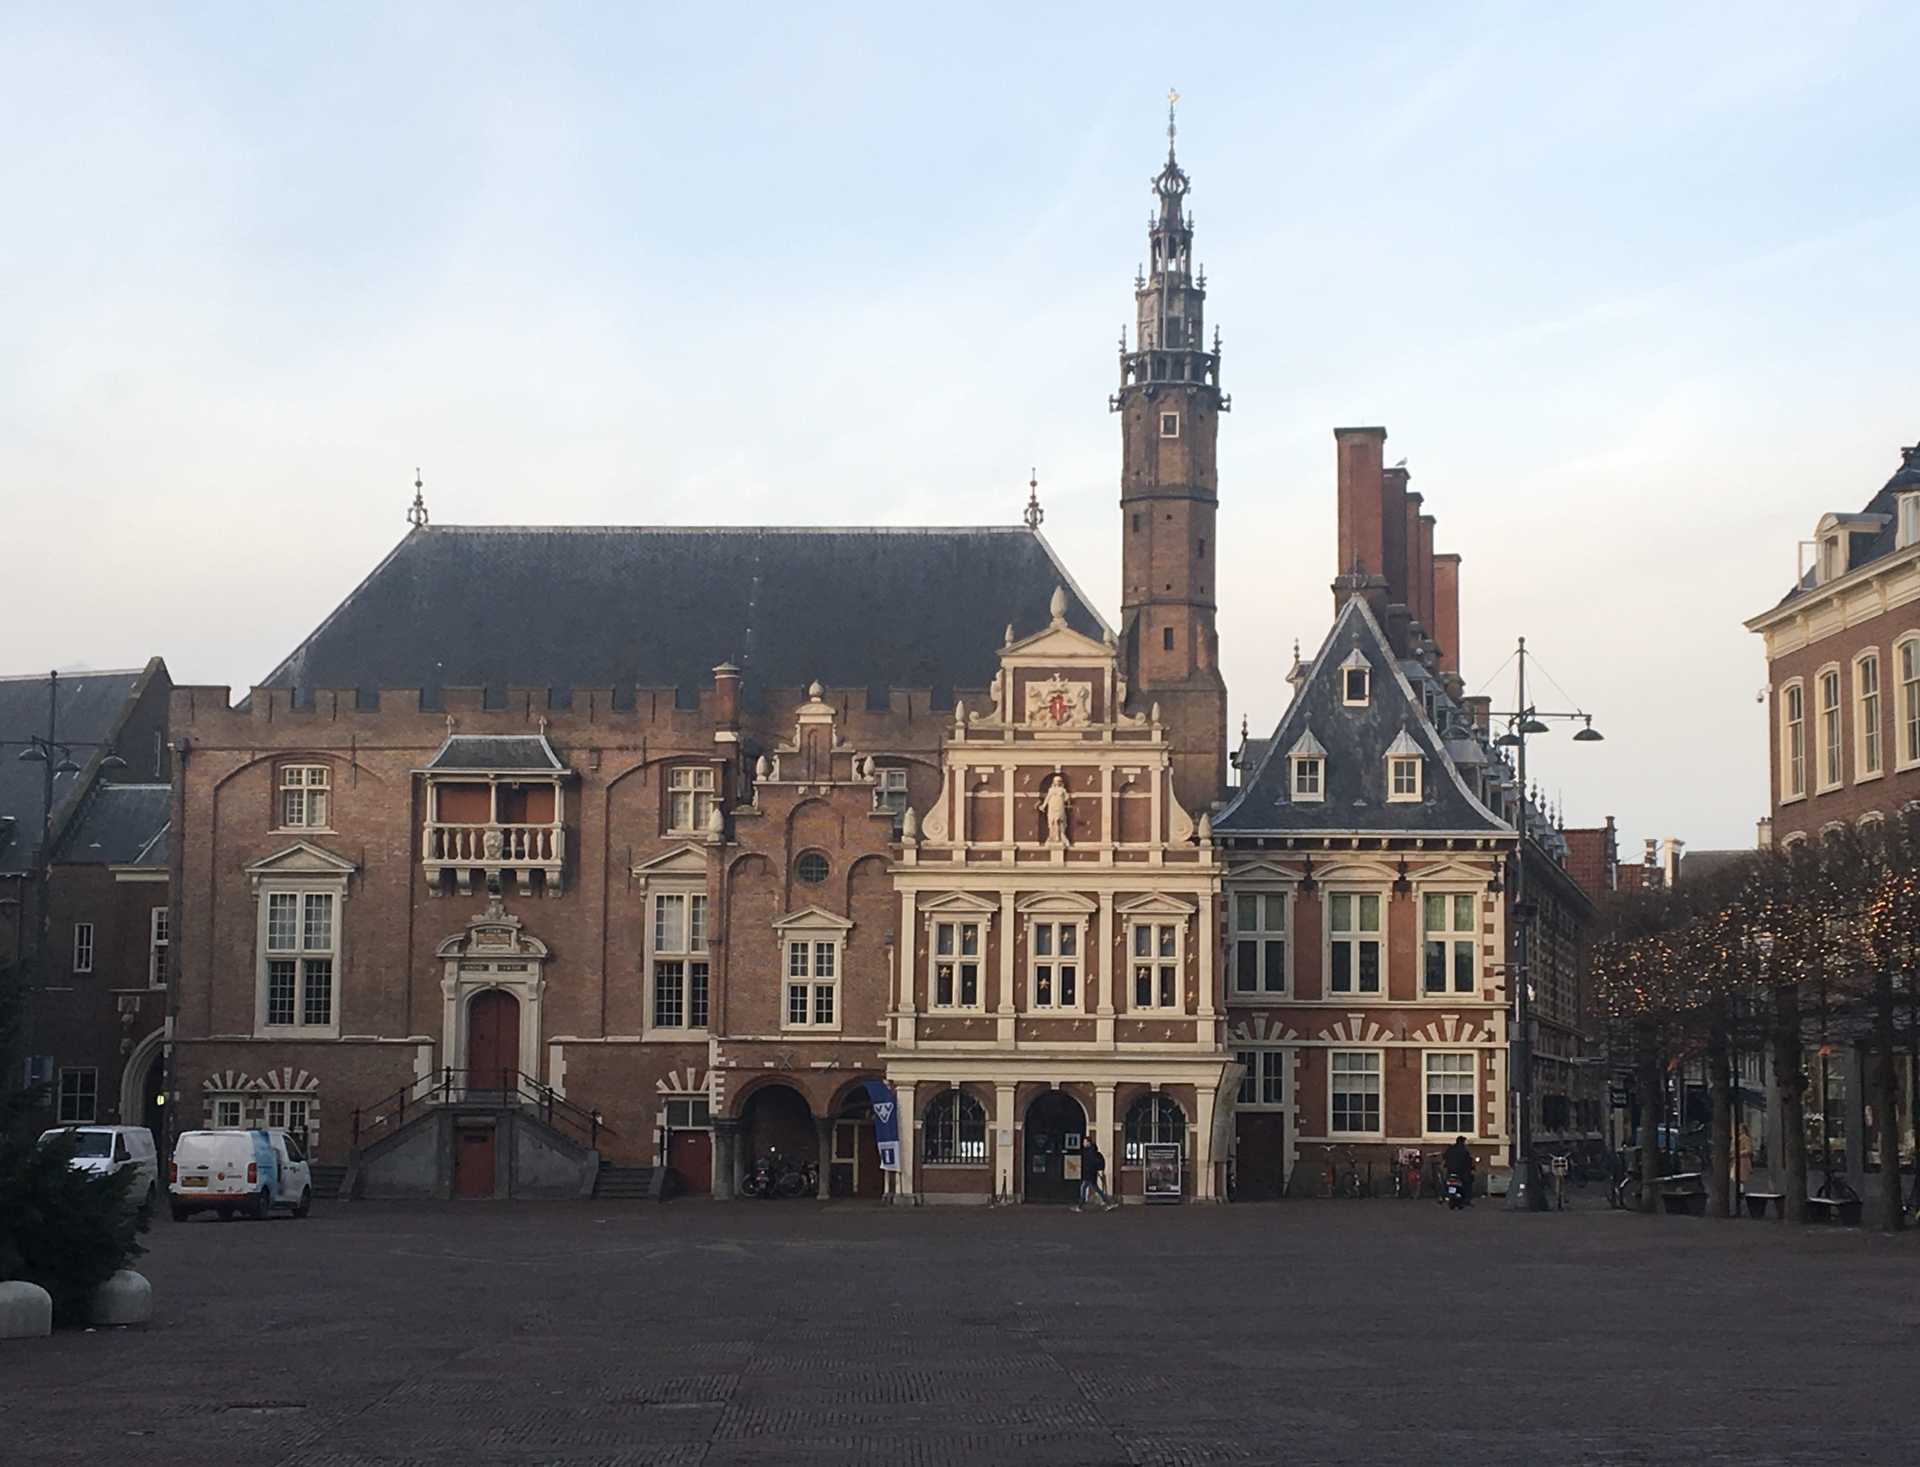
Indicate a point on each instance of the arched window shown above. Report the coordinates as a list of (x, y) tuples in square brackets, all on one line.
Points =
[(1152, 1118), (956, 1131)]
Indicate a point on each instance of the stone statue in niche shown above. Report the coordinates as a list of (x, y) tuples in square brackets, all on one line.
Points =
[(1055, 800)]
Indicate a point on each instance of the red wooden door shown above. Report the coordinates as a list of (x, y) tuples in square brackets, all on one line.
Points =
[(473, 1161), (690, 1155), (493, 1040), (1260, 1158)]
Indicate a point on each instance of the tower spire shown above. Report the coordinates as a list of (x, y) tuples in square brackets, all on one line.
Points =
[(1173, 100), (417, 515)]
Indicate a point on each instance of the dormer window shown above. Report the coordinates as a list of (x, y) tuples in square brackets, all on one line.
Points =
[(1308, 761), (1908, 530), (1404, 770), (1356, 680)]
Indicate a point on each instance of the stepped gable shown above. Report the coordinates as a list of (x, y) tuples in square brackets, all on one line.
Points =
[(644, 606), (1356, 741)]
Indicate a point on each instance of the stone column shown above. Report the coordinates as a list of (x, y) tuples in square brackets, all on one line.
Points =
[(1104, 1134), (1204, 1100), (726, 1158), (908, 1114), (824, 1126), (1003, 1148)]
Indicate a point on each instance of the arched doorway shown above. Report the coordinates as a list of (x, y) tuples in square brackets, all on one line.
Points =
[(776, 1120), (142, 1088), (1056, 1127), (493, 1041)]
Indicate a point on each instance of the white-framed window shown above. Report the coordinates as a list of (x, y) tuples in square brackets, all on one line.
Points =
[(1309, 778), (1829, 727), (1907, 527), (83, 947), (890, 788), (680, 961), (1451, 943), (690, 790), (1151, 1120), (689, 1113), (956, 965), (305, 796), (298, 958), (1907, 655), (287, 1112), (79, 1097), (1053, 951), (1169, 425), (1833, 560), (229, 1112), (955, 1131), (1451, 1081), (1353, 1092), (1259, 943), (1355, 686), (1354, 941), (1866, 715), (159, 940), (1403, 777), (813, 983), (1263, 1085), (1156, 949), (1793, 741)]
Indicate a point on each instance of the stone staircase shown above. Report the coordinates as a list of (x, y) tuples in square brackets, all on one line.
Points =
[(327, 1178), (626, 1184)]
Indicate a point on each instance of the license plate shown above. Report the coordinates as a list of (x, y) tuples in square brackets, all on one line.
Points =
[(193, 1181)]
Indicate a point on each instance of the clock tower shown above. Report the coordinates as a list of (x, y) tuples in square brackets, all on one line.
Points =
[(1170, 404)]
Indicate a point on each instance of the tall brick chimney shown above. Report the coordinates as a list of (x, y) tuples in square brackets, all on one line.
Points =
[(1423, 591), (1411, 590), (1362, 534), (1446, 610), (1393, 526)]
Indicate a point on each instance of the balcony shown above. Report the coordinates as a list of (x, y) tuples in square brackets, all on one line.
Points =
[(494, 848)]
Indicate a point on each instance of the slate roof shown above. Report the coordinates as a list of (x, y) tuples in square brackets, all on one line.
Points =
[(620, 607), (1864, 548), (89, 704), (120, 825), (1357, 740), (497, 752)]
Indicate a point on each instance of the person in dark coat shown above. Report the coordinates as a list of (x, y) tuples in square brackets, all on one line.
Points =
[(1093, 1167), (1459, 1163)]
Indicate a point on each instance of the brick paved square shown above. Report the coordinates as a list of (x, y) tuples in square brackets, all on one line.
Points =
[(792, 1333)]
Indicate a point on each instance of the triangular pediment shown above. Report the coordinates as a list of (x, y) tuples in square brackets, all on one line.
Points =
[(1155, 904), (682, 861), (1058, 901), (812, 919), (302, 858), (1262, 871), (959, 901), (1056, 644)]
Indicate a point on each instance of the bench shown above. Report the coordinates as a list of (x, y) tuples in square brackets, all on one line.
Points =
[(1684, 1193), (1759, 1202), (1844, 1211)]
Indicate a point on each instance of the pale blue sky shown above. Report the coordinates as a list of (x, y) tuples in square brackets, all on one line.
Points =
[(1632, 288)]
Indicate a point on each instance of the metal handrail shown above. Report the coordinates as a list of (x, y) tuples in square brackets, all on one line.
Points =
[(440, 1087)]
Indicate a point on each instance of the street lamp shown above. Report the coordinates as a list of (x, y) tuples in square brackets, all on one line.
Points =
[(1525, 722)]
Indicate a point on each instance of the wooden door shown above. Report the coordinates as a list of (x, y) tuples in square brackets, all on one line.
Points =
[(473, 1161), (1055, 1129), (493, 1040), (690, 1157), (1259, 1155)]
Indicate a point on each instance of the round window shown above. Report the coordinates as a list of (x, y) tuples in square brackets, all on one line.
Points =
[(811, 868)]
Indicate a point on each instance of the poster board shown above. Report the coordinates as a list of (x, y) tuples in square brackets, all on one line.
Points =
[(1160, 1177)]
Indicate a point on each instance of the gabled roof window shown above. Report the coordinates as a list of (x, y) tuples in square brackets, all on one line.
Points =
[(1406, 770), (1307, 763), (1356, 680)]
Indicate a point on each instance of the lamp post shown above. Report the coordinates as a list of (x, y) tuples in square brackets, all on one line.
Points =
[(55, 757), (1523, 723)]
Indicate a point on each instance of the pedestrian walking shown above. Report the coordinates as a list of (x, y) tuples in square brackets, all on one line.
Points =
[(1093, 1167)]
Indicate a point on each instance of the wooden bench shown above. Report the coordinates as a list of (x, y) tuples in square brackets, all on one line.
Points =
[(1844, 1211), (1759, 1202), (1684, 1193)]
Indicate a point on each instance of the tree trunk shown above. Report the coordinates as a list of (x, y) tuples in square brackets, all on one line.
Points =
[(1720, 1199), (1652, 1106), (1790, 1079), (1886, 1101)]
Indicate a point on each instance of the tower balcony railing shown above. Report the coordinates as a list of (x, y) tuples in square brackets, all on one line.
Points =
[(495, 844)]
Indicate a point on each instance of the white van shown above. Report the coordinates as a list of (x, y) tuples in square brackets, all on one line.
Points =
[(239, 1171), (115, 1149)]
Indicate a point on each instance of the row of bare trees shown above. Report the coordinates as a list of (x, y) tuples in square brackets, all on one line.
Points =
[(1775, 950)]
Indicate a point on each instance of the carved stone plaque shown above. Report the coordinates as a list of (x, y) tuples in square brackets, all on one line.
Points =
[(1059, 702)]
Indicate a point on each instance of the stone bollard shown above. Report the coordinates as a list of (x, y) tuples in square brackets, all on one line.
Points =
[(26, 1311), (126, 1298)]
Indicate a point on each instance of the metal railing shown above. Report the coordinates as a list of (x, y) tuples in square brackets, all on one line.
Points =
[(506, 1087)]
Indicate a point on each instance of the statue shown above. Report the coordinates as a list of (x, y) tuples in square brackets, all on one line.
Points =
[(1054, 801)]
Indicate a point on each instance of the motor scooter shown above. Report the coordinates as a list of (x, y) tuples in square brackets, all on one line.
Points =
[(1456, 1191)]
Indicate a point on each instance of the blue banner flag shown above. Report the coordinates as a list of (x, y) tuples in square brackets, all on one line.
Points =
[(886, 1123)]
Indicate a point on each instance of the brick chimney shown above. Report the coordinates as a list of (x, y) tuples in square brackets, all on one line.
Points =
[(1393, 527), (1480, 710), (1423, 590), (1446, 610), (1362, 535), (1411, 589)]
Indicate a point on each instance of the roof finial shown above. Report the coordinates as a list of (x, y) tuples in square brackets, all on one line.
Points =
[(417, 516), (1034, 514), (1173, 100), (1057, 606)]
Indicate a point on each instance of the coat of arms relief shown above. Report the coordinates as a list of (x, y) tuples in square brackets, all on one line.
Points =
[(1059, 702)]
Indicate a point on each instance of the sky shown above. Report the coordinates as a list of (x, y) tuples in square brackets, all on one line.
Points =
[(1631, 287)]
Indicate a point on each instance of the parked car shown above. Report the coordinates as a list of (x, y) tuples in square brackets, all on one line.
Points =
[(239, 1171), (109, 1149)]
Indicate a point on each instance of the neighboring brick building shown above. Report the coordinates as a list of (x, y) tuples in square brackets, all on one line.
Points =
[(92, 1023), (502, 815), (1843, 668)]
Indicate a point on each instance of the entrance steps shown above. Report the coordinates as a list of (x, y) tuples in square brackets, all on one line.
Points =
[(628, 1184), (327, 1178)]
